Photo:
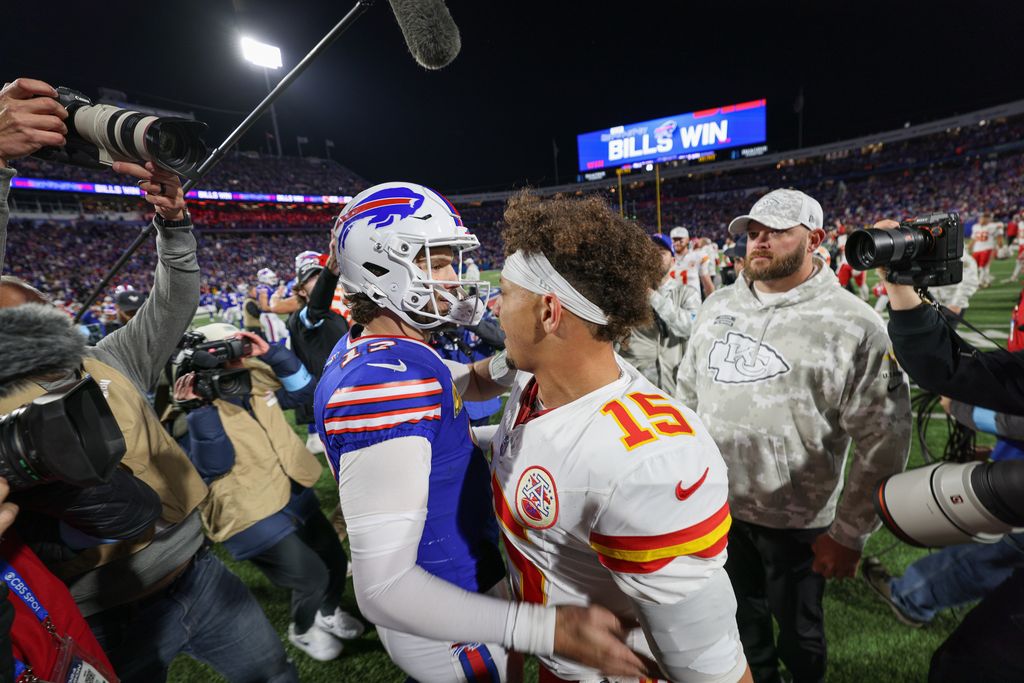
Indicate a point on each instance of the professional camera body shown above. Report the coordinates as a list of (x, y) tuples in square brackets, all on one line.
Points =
[(923, 251), (100, 134), (208, 361), (68, 436)]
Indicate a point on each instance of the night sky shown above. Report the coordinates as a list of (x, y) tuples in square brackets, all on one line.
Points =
[(529, 72)]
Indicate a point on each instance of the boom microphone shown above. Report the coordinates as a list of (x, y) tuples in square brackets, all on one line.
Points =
[(429, 30), (36, 339)]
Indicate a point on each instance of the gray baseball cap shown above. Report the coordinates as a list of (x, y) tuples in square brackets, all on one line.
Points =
[(781, 210)]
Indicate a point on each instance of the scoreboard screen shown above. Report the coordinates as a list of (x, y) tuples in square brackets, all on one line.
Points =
[(674, 137)]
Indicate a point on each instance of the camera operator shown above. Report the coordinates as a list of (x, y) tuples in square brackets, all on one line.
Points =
[(161, 594), (943, 363), (987, 643), (262, 506)]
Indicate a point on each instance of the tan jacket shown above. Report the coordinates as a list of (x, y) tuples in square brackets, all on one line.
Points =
[(151, 455), (268, 454)]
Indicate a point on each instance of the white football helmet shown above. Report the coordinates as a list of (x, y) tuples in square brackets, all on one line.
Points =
[(378, 237), (266, 276)]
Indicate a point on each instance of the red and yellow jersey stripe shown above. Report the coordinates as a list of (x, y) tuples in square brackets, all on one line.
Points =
[(646, 554)]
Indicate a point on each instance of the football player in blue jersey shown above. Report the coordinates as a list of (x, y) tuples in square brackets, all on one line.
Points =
[(412, 481)]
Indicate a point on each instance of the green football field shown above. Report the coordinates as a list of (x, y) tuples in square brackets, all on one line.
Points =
[(865, 641)]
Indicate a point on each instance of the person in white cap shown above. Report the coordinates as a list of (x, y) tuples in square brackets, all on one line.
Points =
[(472, 270), (692, 266), (786, 368)]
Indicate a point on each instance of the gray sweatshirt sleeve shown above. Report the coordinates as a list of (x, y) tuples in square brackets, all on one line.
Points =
[(5, 187), (142, 347), (876, 413), (686, 379), (677, 309)]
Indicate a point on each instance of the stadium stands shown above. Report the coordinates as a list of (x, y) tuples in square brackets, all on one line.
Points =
[(968, 169)]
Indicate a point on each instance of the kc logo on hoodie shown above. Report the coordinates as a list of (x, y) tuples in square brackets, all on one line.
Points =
[(739, 359)]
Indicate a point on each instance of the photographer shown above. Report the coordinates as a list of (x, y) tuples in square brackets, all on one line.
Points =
[(987, 643), (261, 506), (161, 594)]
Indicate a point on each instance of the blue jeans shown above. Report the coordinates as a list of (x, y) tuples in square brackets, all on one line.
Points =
[(956, 575), (208, 614)]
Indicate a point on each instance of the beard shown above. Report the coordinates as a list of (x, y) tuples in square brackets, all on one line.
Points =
[(778, 265)]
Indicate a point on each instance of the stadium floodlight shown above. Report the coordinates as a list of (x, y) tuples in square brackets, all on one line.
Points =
[(268, 57), (261, 54)]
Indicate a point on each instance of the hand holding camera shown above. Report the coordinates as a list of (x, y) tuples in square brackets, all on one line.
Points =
[(162, 188), (30, 119), (257, 345)]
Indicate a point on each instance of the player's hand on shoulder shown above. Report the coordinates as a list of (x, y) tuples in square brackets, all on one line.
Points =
[(595, 637)]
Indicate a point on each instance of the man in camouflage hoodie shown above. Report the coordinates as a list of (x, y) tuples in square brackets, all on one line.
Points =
[(785, 367)]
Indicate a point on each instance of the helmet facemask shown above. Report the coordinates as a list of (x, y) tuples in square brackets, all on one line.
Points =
[(428, 303)]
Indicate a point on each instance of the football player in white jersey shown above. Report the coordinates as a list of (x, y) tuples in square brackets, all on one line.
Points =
[(607, 490), (986, 237), (692, 265)]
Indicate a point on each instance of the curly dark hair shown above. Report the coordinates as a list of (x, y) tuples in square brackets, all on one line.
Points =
[(362, 308), (609, 259)]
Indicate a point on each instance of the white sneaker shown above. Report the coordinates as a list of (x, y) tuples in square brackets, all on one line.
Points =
[(313, 443), (316, 642), (340, 624)]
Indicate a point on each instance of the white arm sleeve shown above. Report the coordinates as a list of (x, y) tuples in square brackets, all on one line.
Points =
[(383, 490), (695, 640)]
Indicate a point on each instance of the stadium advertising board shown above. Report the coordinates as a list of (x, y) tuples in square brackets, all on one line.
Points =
[(674, 137), (215, 195)]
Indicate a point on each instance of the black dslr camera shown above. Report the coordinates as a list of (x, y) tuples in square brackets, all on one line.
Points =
[(208, 360), (923, 251), (68, 436), (100, 134)]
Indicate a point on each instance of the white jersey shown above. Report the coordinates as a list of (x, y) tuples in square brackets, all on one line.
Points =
[(841, 244), (690, 265), (615, 497), (712, 253), (983, 237)]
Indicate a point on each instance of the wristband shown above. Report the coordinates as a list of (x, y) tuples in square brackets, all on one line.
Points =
[(500, 371)]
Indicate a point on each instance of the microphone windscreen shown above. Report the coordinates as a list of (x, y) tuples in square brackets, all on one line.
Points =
[(429, 30), (36, 340)]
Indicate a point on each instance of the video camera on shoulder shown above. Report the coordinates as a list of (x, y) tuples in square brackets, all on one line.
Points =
[(100, 134), (923, 251), (209, 361), (70, 436)]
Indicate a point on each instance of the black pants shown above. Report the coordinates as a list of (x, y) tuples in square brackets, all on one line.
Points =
[(986, 646), (770, 570), (312, 564)]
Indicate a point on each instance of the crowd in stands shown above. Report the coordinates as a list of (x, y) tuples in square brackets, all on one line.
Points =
[(954, 171), (242, 172)]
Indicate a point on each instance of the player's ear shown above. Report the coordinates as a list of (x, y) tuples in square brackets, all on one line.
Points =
[(550, 313)]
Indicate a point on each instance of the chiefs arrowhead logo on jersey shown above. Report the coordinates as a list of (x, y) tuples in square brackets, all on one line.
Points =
[(537, 498), (740, 359)]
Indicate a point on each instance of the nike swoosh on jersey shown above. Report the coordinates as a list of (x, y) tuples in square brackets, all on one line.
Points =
[(397, 367), (683, 494)]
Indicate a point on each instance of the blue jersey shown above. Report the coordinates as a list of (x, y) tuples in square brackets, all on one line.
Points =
[(375, 389)]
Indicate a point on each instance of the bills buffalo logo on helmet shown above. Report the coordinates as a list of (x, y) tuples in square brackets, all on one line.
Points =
[(740, 359), (381, 209)]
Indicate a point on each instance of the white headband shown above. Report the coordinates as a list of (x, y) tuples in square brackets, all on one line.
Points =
[(535, 273)]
